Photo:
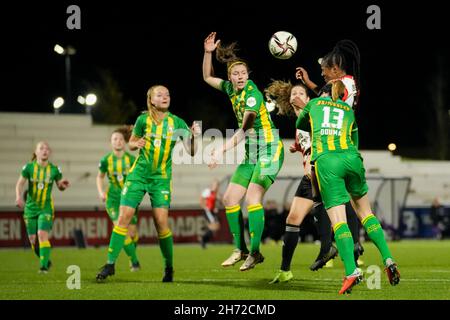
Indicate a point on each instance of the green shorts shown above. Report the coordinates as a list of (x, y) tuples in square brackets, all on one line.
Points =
[(159, 190), (40, 221), (340, 174), (112, 206), (263, 172)]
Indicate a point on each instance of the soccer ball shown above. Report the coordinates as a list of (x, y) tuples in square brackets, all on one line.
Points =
[(282, 45)]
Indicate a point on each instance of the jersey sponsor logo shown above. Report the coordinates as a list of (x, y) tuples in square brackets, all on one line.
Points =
[(119, 177), (333, 104), (251, 102), (40, 185)]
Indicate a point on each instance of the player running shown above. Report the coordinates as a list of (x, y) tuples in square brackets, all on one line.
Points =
[(264, 151), (39, 210), (116, 165), (155, 135), (339, 172)]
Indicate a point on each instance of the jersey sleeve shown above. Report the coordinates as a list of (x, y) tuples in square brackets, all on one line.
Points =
[(303, 119), (183, 130), (350, 90), (254, 101), (25, 172), (58, 173), (138, 129), (227, 87), (103, 165), (206, 193)]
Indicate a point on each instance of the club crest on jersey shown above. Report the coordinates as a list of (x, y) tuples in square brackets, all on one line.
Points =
[(251, 102)]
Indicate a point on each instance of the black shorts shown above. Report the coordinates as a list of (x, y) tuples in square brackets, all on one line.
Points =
[(304, 189)]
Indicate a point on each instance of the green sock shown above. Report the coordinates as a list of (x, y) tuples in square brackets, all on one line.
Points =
[(166, 246), (256, 226), (116, 243), (44, 253), (234, 221), (344, 242), (376, 234), (130, 249)]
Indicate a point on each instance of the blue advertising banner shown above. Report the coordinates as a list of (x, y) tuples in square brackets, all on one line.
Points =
[(418, 222)]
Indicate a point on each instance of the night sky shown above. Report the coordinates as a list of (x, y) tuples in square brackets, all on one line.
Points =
[(146, 44)]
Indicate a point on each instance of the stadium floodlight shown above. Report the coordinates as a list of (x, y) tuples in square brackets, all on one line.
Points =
[(81, 100), (58, 49), (392, 147), (91, 99), (66, 52), (57, 104)]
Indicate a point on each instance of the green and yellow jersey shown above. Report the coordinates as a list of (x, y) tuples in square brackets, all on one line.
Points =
[(117, 170), (251, 99), (155, 159), (40, 183), (332, 125)]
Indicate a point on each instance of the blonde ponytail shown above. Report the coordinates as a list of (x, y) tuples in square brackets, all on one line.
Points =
[(337, 90)]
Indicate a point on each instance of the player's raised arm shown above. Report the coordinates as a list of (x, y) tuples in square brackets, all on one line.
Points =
[(210, 45), (302, 75)]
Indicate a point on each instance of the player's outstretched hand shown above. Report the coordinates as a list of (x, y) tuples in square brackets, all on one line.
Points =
[(302, 74), (293, 148), (63, 184), (211, 43)]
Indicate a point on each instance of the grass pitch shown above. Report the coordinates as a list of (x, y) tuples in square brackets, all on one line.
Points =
[(424, 267)]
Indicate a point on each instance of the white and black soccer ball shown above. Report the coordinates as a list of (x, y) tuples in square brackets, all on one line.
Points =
[(282, 45)]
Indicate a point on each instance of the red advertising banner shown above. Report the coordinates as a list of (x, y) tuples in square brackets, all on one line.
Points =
[(186, 227)]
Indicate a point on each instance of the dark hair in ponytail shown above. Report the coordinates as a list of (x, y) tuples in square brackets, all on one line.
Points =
[(346, 56)]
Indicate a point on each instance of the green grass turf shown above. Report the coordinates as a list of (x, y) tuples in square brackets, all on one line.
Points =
[(424, 267)]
